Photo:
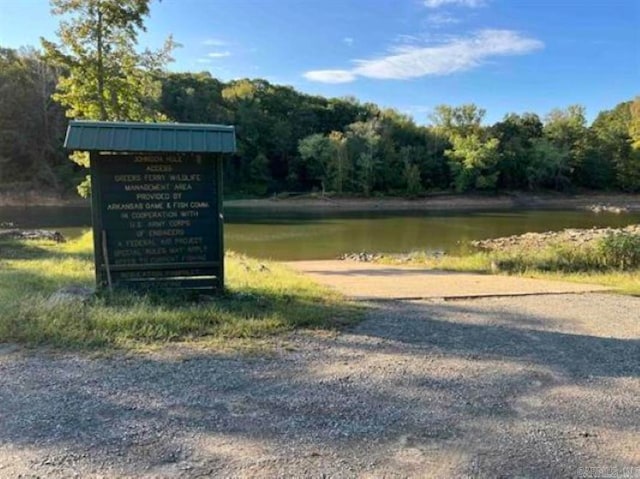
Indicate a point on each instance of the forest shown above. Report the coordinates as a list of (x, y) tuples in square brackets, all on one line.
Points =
[(289, 141)]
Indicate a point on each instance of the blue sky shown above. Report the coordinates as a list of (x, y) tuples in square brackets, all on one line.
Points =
[(504, 55)]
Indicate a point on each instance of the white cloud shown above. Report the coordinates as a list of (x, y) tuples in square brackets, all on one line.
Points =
[(203, 60), (348, 40), (330, 76), (219, 54), (462, 3), (440, 19), (414, 61), (214, 42)]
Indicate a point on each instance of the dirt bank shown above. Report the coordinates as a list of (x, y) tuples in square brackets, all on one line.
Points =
[(445, 202)]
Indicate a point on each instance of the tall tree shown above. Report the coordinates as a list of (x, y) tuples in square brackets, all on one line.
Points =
[(105, 77), (363, 139), (473, 156), (612, 143), (567, 130), (317, 153)]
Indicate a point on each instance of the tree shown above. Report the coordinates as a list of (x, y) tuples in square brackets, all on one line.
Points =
[(612, 146), (632, 168), (412, 179), (516, 134), (104, 76), (473, 156), (363, 140), (634, 122), (341, 165), (549, 167), (317, 152), (460, 120), (566, 129), (31, 125), (193, 98), (473, 162)]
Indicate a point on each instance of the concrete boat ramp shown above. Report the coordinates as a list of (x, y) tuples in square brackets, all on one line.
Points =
[(370, 281)]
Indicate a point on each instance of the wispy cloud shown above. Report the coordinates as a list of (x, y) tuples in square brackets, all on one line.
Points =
[(348, 40), (414, 61), (203, 60), (214, 42), (331, 76), (441, 19), (219, 54), (462, 3), (402, 42)]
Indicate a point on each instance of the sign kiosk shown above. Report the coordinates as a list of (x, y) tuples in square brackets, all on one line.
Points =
[(156, 202)]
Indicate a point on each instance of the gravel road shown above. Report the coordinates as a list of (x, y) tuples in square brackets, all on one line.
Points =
[(536, 386)]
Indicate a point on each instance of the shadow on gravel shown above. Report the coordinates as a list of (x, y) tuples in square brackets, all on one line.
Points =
[(432, 326), (411, 380)]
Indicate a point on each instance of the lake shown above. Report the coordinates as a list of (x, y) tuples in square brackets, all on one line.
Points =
[(283, 235)]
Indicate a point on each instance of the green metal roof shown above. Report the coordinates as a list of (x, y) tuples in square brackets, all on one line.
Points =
[(155, 137)]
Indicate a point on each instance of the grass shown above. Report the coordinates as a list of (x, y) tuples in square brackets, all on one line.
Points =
[(263, 299), (613, 261)]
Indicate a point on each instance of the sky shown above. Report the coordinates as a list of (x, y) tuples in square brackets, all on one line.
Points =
[(412, 55)]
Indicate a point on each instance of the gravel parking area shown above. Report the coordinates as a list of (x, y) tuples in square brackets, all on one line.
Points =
[(535, 386)]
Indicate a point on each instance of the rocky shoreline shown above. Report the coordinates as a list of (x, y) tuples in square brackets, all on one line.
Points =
[(526, 241), (572, 236), (19, 234)]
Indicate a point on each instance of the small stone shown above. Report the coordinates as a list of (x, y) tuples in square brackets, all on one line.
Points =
[(70, 294)]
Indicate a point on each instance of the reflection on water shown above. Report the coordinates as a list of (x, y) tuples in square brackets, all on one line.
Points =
[(295, 236)]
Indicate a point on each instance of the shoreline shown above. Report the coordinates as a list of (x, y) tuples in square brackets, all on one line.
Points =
[(628, 202), (444, 202)]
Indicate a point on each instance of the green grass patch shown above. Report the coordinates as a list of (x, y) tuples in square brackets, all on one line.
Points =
[(263, 299), (612, 261)]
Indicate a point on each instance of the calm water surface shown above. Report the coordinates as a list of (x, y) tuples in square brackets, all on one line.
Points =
[(296, 236)]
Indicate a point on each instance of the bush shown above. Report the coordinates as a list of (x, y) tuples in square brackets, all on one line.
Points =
[(620, 250)]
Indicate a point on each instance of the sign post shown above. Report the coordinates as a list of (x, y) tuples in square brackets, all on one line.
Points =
[(157, 215)]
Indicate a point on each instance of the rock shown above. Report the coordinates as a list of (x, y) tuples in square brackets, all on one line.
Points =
[(70, 294), (362, 257), (540, 240), (607, 209), (32, 235)]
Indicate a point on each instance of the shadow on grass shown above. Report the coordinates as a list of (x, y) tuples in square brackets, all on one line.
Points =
[(258, 304), (38, 249)]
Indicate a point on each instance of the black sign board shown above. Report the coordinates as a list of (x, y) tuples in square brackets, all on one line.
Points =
[(157, 220)]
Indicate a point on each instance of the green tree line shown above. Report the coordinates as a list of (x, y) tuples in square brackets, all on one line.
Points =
[(291, 141)]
